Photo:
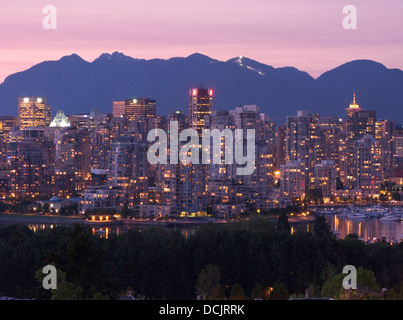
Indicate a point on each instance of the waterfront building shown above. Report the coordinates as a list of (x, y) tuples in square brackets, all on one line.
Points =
[(106, 197)]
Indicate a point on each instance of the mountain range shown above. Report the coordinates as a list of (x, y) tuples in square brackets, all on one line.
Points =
[(78, 86)]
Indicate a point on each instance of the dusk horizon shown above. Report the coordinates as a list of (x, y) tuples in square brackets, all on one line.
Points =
[(309, 35)]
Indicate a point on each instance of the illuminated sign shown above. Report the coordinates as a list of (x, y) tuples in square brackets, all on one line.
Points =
[(194, 92), (210, 92)]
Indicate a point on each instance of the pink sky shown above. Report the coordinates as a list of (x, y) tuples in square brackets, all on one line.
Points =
[(305, 34)]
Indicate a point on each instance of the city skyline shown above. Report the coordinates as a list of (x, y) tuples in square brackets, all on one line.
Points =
[(208, 151), (306, 152), (309, 35)]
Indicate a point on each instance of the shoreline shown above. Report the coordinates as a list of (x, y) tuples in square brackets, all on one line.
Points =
[(23, 218)]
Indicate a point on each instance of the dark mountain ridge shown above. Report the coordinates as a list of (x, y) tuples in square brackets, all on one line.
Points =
[(76, 86)]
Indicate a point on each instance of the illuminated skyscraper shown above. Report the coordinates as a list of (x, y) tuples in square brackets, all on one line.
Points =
[(354, 107), (200, 105), (139, 108), (33, 112)]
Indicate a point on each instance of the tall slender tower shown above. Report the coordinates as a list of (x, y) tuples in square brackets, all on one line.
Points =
[(354, 107), (200, 105)]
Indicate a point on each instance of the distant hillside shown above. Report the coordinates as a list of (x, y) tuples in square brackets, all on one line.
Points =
[(77, 86)]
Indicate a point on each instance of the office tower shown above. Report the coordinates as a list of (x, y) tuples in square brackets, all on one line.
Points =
[(182, 118), (325, 177), (200, 105), (139, 108), (292, 181), (33, 112), (367, 165), (7, 124), (118, 109), (79, 120)]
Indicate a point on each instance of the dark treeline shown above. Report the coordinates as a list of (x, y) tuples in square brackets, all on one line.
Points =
[(254, 255)]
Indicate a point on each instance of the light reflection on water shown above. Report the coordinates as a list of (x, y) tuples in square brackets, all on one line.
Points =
[(365, 229), (105, 232)]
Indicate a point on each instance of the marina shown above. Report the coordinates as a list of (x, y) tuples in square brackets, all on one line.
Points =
[(369, 223)]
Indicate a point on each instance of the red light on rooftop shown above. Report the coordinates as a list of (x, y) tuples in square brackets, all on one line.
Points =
[(210, 92), (194, 92)]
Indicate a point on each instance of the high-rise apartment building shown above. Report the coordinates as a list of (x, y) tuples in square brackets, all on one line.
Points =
[(298, 130), (367, 160), (30, 157), (292, 181), (325, 177), (358, 124), (385, 135), (33, 112)]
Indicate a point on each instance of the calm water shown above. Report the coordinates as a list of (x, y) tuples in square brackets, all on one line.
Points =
[(105, 232), (366, 229)]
